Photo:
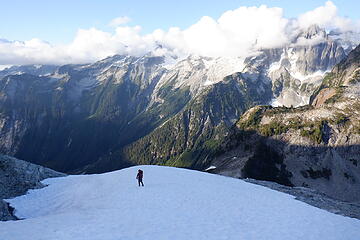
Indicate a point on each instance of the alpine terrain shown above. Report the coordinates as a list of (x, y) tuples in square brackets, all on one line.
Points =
[(156, 108), (147, 121), (314, 146)]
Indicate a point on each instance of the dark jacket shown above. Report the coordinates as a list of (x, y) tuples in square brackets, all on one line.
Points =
[(139, 175)]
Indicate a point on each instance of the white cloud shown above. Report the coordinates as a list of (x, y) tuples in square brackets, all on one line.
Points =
[(119, 21), (237, 32), (325, 16)]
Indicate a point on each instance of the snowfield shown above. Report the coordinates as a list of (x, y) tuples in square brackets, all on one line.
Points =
[(174, 204)]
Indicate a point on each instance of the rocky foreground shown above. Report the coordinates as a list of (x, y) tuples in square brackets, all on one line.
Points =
[(17, 177)]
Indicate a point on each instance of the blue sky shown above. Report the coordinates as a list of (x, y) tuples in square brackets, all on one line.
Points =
[(58, 21)]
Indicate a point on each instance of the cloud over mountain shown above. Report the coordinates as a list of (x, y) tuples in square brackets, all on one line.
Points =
[(236, 32), (326, 16), (119, 21)]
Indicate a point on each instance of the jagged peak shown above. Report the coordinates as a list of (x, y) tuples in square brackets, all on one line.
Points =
[(311, 35), (313, 31), (355, 51)]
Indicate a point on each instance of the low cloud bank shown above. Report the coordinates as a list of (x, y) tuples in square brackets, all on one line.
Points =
[(238, 32)]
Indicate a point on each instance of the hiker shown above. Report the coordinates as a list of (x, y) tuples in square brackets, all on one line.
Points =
[(139, 177)]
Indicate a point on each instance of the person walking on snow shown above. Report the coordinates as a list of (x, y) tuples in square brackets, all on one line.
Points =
[(139, 177)]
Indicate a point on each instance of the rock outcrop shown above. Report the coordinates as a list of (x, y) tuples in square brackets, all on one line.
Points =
[(17, 177)]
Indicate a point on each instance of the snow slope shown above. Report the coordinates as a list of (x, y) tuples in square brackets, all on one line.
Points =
[(174, 204)]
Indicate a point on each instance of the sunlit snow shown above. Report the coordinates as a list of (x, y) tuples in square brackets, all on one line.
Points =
[(174, 204)]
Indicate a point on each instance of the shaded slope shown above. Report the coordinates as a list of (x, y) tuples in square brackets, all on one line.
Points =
[(187, 139)]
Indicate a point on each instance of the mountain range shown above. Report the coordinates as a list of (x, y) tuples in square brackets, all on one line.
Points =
[(171, 110)]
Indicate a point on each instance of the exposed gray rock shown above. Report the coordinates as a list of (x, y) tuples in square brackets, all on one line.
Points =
[(17, 177), (6, 212)]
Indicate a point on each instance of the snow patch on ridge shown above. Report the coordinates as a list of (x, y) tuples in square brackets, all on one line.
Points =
[(210, 168), (276, 65), (208, 83), (219, 68), (302, 77)]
